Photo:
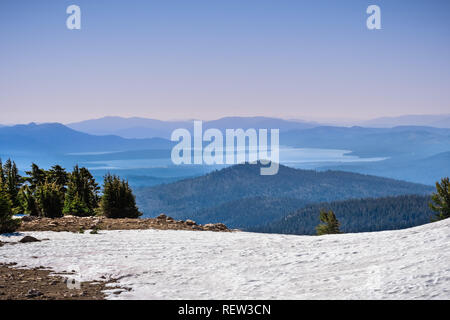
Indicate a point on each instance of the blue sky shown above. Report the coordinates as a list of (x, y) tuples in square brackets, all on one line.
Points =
[(206, 59)]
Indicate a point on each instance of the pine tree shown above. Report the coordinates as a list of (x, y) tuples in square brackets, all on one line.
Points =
[(58, 175), (13, 182), (82, 193), (28, 201), (441, 200), (2, 174), (50, 200), (35, 177), (118, 200), (329, 225), (7, 223)]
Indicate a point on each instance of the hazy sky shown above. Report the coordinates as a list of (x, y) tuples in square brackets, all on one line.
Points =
[(181, 59)]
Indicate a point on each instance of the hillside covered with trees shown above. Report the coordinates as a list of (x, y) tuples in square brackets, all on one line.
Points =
[(357, 215), (200, 197)]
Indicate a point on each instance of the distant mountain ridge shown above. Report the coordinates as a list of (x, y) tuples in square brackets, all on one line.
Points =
[(412, 141), (199, 197), (57, 138), (147, 128), (426, 170), (136, 127), (438, 121)]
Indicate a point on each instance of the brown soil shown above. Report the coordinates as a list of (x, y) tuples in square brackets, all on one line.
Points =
[(39, 284), (77, 224)]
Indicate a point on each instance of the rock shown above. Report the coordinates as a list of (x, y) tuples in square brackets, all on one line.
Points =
[(33, 293), (28, 239), (190, 222), (162, 216), (27, 218), (220, 226), (170, 219)]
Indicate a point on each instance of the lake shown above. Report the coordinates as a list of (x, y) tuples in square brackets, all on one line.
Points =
[(295, 157)]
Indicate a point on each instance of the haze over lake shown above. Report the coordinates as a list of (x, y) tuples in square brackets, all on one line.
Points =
[(296, 157)]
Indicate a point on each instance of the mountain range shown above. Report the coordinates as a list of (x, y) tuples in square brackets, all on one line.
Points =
[(149, 128), (57, 138), (264, 197), (412, 153), (438, 121)]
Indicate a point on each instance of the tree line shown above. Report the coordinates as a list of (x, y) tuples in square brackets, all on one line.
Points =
[(56, 192), (440, 204)]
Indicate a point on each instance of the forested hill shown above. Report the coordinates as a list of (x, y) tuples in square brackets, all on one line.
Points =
[(358, 215), (183, 198), (249, 212)]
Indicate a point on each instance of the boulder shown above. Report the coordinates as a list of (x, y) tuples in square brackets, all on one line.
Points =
[(220, 226), (28, 239), (33, 293), (162, 216), (190, 222)]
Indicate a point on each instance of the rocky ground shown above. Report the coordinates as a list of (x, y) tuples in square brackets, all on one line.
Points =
[(79, 224), (40, 284)]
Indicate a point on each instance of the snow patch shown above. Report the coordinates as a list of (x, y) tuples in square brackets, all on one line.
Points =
[(163, 264)]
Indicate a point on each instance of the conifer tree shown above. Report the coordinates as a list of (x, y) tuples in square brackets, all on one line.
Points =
[(12, 183), (329, 225), (58, 175), (2, 174), (441, 200), (35, 177), (27, 200), (118, 200), (50, 200), (81, 198), (7, 223)]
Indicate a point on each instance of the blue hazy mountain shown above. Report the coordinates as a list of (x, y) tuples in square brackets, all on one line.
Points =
[(147, 128), (438, 121), (129, 127), (413, 153), (411, 141), (426, 170), (199, 197), (57, 138)]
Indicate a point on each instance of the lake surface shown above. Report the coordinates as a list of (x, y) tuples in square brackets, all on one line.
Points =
[(295, 157)]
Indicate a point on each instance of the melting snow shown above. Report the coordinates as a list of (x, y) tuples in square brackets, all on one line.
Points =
[(404, 264)]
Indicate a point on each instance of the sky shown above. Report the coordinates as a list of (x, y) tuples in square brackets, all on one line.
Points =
[(205, 59)]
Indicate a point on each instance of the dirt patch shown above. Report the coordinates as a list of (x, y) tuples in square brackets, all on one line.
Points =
[(80, 224), (40, 284)]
